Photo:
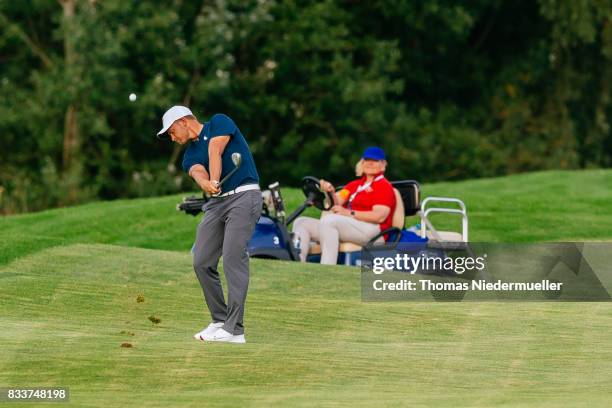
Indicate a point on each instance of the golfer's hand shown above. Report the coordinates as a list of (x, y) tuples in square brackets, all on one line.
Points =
[(326, 186), (210, 187), (338, 209)]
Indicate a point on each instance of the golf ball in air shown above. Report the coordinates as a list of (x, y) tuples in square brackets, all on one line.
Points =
[(132, 97)]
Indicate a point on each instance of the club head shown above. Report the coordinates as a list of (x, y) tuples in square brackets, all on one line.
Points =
[(236, 159)]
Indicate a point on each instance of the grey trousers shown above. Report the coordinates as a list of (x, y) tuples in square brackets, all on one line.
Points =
[(225, 231)]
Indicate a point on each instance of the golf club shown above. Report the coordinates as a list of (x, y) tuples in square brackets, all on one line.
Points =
[(237, 160)]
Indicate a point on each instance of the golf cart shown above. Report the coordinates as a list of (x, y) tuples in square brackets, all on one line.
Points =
[(273, 240)]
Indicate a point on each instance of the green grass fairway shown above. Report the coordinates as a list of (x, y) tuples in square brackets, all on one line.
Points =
[(312, 342), (70, 279)]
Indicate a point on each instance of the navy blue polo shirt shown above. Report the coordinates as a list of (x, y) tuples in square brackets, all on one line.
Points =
[(197, 152)]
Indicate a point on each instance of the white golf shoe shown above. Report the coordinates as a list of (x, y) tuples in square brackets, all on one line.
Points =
[(208, 331), (224, 336)]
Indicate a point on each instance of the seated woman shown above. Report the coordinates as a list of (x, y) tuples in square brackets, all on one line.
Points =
[(361, 210)]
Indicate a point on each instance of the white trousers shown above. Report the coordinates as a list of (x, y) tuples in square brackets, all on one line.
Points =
[(329, 231)]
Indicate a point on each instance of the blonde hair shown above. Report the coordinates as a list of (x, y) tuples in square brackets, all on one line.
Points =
[(359, 168)]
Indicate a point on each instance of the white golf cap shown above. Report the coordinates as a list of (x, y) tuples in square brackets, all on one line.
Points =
[(172, 115)]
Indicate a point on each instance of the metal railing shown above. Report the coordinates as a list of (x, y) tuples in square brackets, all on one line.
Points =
[(425, 212)]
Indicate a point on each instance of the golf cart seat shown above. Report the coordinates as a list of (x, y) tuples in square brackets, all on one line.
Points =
[(445, 236), (315, 248)]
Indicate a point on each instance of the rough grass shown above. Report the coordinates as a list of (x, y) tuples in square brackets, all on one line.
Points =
[(547, 206)]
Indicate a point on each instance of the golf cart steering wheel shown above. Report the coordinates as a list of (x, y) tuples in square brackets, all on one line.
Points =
[(312, 190)]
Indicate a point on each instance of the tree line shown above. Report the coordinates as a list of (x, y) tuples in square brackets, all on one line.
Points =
[(451, 89)]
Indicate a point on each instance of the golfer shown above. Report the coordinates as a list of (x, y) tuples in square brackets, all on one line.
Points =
[(230, 216)]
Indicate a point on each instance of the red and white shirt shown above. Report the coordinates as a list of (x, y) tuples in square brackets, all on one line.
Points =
[(359, 195)]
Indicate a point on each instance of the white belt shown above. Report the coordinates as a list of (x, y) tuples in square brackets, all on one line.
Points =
[(240, 189)]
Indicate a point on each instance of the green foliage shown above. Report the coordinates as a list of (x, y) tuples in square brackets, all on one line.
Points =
[(451, 90)]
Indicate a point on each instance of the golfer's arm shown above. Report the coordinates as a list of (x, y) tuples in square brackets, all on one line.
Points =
[(215, 150), (378, 214), (199, 174)]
